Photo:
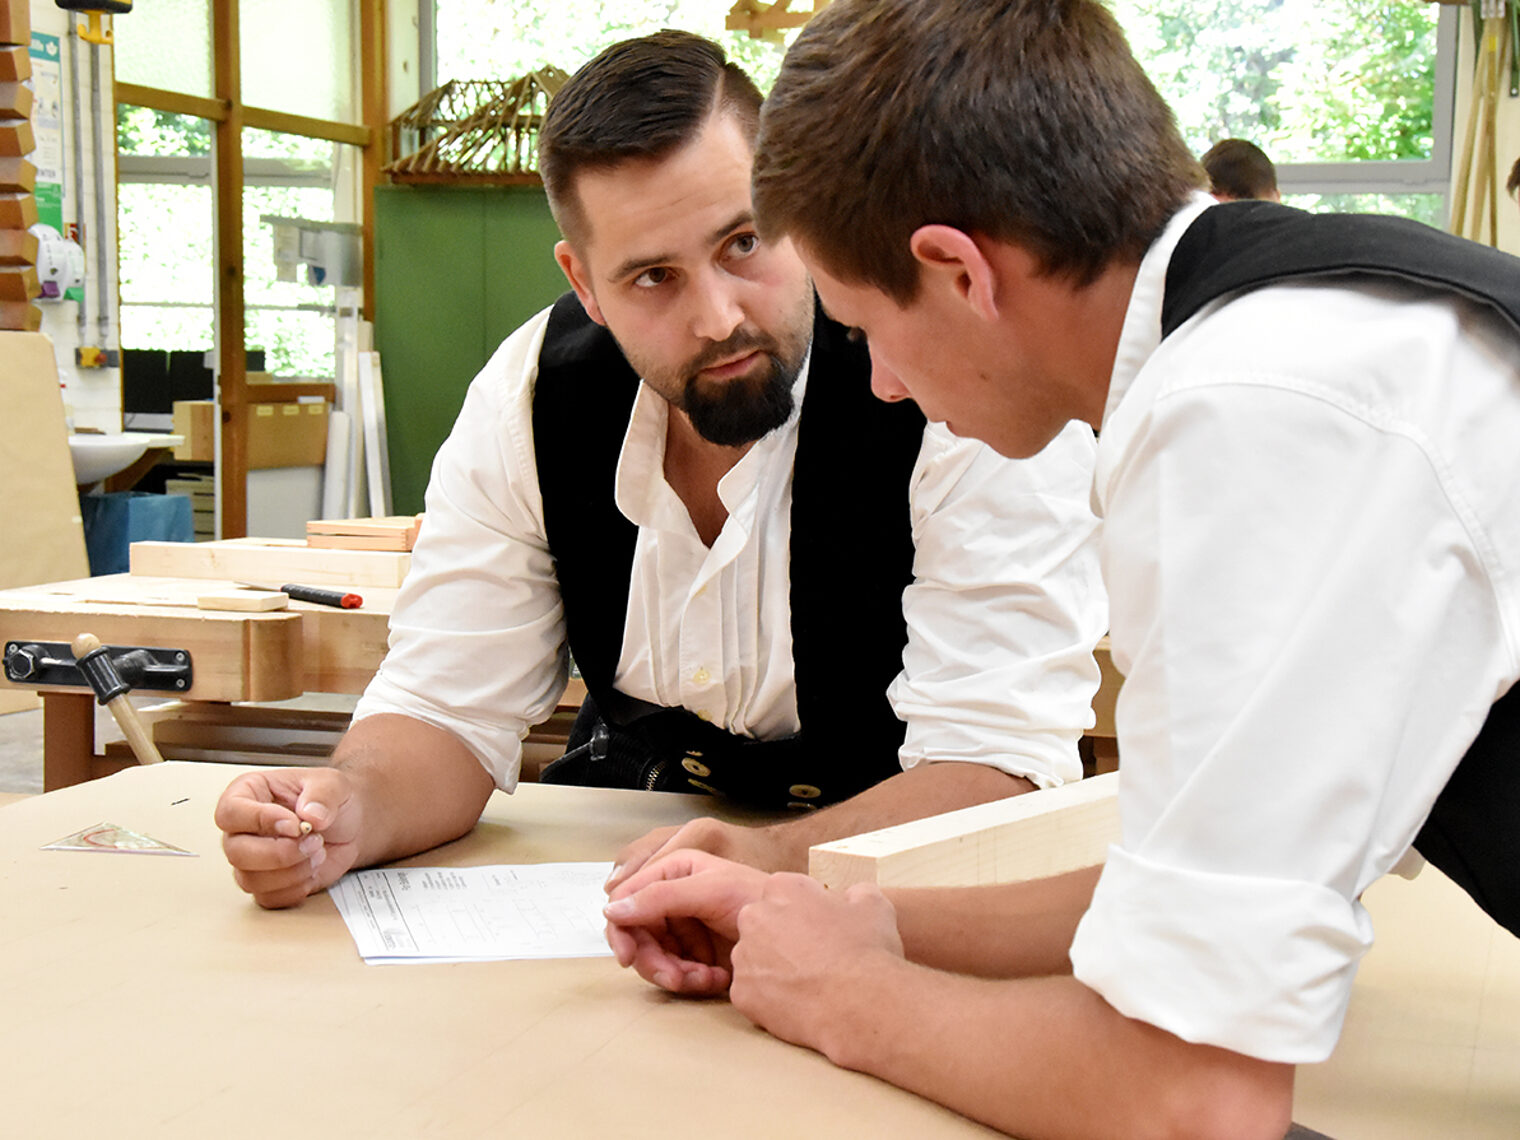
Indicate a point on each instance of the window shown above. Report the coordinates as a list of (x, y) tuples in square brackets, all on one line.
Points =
[(1351, 99)]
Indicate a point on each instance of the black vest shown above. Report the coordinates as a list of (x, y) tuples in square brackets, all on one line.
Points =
[(1473, 831), (851, 558)]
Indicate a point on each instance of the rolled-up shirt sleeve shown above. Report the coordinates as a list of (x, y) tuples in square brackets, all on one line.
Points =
[(1006, 605), (477, 638), (1306, 620)]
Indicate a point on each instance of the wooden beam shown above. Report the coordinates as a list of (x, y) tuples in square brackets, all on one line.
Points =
[(1025, 837), (174, 102), (231, 344), (373, 85), (286, 123)]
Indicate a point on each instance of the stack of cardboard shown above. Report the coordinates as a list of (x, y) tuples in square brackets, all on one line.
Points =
[(18, 177)]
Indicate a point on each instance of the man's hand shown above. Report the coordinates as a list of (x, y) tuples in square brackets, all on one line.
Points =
[(260, 815), (758, 847), (799, 945), (676, 920)]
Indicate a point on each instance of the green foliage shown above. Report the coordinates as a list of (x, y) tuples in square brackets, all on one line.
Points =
[(144, 131), (1306, 80), (502, 39)]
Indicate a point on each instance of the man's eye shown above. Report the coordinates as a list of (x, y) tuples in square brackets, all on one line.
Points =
[(744, 244), (652, 277)]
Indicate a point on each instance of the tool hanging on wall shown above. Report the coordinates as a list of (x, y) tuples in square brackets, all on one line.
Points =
[(93, 32)]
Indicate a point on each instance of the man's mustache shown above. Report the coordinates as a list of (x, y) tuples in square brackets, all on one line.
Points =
[(741, 341)]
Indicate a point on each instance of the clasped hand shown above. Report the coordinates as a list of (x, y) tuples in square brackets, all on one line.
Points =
[(782, 945)]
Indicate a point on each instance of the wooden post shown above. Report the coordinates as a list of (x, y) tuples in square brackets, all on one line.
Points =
[(68, 739), (372, 62), (232, 371)]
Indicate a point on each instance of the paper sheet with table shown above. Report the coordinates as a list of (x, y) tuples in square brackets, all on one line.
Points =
[(475, 914)]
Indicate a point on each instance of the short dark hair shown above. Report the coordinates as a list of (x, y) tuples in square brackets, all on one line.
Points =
[(1239, 169), (1026, 121), (639, 99), (1514, 178)]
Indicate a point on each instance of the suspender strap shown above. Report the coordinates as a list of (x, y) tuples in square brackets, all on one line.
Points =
[(851, 558)]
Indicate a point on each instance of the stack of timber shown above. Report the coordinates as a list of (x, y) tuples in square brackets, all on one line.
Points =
[(18, 177)]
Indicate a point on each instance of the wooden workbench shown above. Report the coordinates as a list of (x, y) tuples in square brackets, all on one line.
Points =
[(271, 656)]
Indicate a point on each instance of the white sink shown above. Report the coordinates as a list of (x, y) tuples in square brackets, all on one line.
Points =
[(98, 457)]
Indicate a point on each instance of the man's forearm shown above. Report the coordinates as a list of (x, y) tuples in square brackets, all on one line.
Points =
[(1048, 1058), (1009, 930), (928, 789), (419, 786)]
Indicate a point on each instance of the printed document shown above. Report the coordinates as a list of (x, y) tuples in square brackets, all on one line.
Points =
[(475, 914)]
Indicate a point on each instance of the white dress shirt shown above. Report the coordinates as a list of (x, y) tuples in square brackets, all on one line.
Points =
[(1312, 548), (1005, 606)]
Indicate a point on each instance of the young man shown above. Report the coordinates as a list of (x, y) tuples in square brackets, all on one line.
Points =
[(1306, 473), (1240, 171), (739, 584)]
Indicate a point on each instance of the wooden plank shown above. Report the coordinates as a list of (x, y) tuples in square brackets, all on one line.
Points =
[(1025, 837), (269, 561), (44, 537), (377, 458), (231, 343), (243, 601)]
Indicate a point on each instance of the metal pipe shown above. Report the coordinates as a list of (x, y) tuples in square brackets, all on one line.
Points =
[(76, 98), (102, 309)]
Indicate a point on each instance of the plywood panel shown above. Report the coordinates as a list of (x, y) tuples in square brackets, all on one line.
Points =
[(41, 534)]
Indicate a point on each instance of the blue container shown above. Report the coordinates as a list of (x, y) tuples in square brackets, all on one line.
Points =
[(113, 521)]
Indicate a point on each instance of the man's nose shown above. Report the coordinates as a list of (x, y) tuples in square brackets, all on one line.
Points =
[(885, 383), (716, 311)]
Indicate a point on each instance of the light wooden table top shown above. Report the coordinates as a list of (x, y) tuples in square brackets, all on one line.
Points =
[(147, 996)]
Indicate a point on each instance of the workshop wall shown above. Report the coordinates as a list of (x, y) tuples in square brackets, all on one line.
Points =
[(456, 270), (91, 395)]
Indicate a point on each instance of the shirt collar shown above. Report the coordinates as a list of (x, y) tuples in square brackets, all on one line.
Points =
[(1141, 334)]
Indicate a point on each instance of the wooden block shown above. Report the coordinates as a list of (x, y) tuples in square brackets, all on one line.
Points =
[(16, 22), (269, 560), (196, 421), (16, 139), (15, 101), (18, 211), (398, 532), (1025, 837), (18, 283), (243, 601), (18, 175), (19, 316), (15, 63), (17, 247)]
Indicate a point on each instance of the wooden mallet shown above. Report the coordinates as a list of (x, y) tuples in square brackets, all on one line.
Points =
[(110, 690)]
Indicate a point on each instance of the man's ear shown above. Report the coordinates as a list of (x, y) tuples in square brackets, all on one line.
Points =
[(580, 280), (953, 257)]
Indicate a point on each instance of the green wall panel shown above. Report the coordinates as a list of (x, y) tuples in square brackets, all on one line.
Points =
[(456, 270)]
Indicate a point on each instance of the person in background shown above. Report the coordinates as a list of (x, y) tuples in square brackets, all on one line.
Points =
[(666, 474), (1239, 170), (1311, 540)]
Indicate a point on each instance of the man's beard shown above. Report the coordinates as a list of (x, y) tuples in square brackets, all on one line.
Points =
[(734, 412)]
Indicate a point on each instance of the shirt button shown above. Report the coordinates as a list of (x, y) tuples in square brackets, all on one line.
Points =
[(701, 677), (804, 791), (696, 767)]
